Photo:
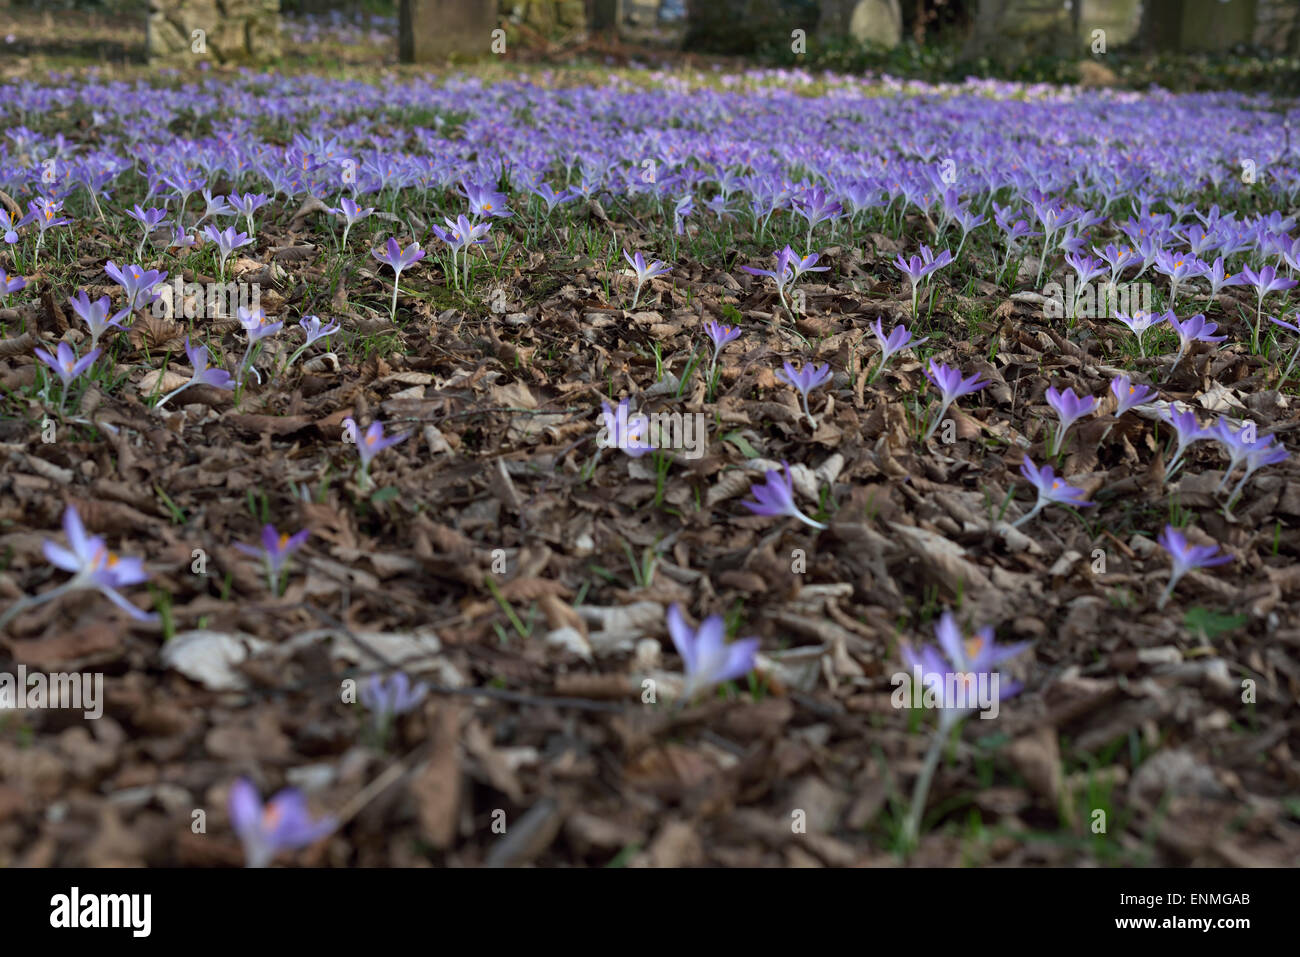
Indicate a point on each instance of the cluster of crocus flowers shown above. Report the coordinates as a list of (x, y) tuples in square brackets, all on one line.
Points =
[(899, 338), (369, 443), (461, 235), (951, 386), (1244, 448), (804, 381), (706, 656), (93, 566), (644, 272), (397, 259), (1185, 558), (283, 824), (1052, 490), (274, 552), (201, 374), (949, 675), (774, 497)]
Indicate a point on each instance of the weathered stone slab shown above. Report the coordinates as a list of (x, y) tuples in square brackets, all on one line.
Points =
[(216, 31), (435, 31)]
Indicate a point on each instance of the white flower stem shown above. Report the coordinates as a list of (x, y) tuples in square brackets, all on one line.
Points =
[(921, 789)]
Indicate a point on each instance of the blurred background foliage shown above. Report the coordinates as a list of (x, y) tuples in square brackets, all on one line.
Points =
[(935, 43)]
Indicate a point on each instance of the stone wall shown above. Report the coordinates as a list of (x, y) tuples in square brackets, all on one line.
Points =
[(553, 21), (216, 31)]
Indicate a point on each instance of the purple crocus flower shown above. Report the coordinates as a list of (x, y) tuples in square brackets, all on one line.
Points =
[(951, 387), (898, 339), (783, 275), (1237, 443), (644, 272), (227, 241), (460, 235), (1265, 281), (95, 315), (274, 551), (623, 429), (314, 330), (1264, 451), (720, 334), (817, 207), (1129, 396), (150, 219), (1140, 322), (955, 681), (202, 375), (8, 227), (775, 496), (1195, 329), (804, 381), (1051, 490), (284, 824), (257, 326), (136, 281), (802, 264), (486, 201), (8, 285), (1219, 278), (1185, 558), (398, 259), (707, 657), (93, 567), (352, 214), (965, 661), (919, 268), (246, 205), (65, 363), (551, 198), (1187, 430), (371, 443), (215, 206), (45, 214), (1069, 408), (1177, 266), (390, 698)]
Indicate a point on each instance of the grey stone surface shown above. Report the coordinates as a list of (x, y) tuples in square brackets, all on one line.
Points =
[(216, 31), (435, 31)]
